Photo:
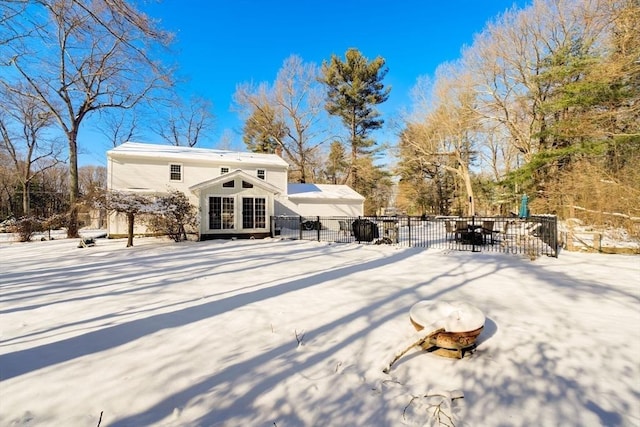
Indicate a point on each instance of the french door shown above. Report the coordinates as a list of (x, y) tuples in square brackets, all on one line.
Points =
[(221, 213), (254, 212)]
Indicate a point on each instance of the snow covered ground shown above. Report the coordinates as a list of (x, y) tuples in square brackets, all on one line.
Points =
[(294, 333)]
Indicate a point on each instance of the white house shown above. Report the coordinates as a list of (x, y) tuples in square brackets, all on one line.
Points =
[(236, 192)]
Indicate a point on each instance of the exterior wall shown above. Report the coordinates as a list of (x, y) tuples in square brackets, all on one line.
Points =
[(131, 170), (319, 207), (153, 176), (117, 225), (237, 193), (146, 174)]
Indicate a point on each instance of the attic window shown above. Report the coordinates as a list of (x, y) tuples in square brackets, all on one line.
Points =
[(261, 173), (175, 172), (224, 170), (229, 184), (246, 184)]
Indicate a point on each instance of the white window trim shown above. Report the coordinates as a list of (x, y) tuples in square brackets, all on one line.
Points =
[(235, 214), (264, 171), (181, 172), (267, 217), (224, 167)]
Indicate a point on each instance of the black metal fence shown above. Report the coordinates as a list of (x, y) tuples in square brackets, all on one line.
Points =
[(532, 236)]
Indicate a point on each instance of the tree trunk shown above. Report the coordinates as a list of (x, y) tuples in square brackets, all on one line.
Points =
[(72, 230), (130, 220), (354, 152), (469, 188), (26, 199)]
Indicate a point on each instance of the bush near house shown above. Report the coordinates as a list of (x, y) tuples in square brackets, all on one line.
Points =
[(25, 227), (174, 216)]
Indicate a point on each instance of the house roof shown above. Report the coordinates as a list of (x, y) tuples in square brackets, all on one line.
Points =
[(172, 152), (232, 175), (322, 192)]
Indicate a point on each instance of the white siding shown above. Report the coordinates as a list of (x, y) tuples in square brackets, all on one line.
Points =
[(150, 175), (319, 207), (237, 193), (138, 167)]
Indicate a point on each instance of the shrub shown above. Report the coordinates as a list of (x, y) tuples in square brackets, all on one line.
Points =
[(56, 222), (174, 216), (26, 227)]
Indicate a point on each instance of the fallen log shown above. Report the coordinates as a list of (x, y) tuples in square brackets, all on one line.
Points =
[(418, 339)]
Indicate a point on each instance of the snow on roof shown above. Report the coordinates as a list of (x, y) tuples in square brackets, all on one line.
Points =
[(322, 191), (137, 149)]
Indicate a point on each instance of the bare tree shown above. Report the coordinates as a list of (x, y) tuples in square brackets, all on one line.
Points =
[(286, 114), (84, 57), (23, 122), (445, 137), (8, 184), (227, 141), (185, 125), (118, 126), (513, 54), (10, 11)]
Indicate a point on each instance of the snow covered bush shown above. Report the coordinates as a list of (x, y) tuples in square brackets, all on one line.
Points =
[(25, 227), (56, 222), (128, 203), (174, 216)]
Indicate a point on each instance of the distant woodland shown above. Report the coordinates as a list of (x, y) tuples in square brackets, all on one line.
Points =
[(545, 102)]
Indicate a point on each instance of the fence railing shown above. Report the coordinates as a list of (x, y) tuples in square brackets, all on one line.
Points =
[(533, 236)]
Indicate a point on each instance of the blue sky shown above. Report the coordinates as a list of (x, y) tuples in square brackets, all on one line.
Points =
[(220, 44)]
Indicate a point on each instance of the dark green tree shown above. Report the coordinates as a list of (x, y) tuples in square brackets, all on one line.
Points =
[(336, 165), (354, 88)]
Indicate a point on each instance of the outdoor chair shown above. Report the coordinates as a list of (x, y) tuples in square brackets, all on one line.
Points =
[(504, 231), (532, 228), (345, 228), (487, 230), (450, 230), (462, 227)]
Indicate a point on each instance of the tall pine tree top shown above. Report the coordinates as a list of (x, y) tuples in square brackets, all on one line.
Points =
[(354, 88)]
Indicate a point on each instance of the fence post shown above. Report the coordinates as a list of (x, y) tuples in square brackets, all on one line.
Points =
[(472, 233), (408, 229), (555, 235), (318, 226), (300, 226)]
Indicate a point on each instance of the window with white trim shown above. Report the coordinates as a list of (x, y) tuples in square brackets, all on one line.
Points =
[(221, 213), (254, 212), (224, 170), (261, 173), (175, 172)]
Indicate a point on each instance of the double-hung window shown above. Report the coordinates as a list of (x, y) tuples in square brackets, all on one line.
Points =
[(175, 172)]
